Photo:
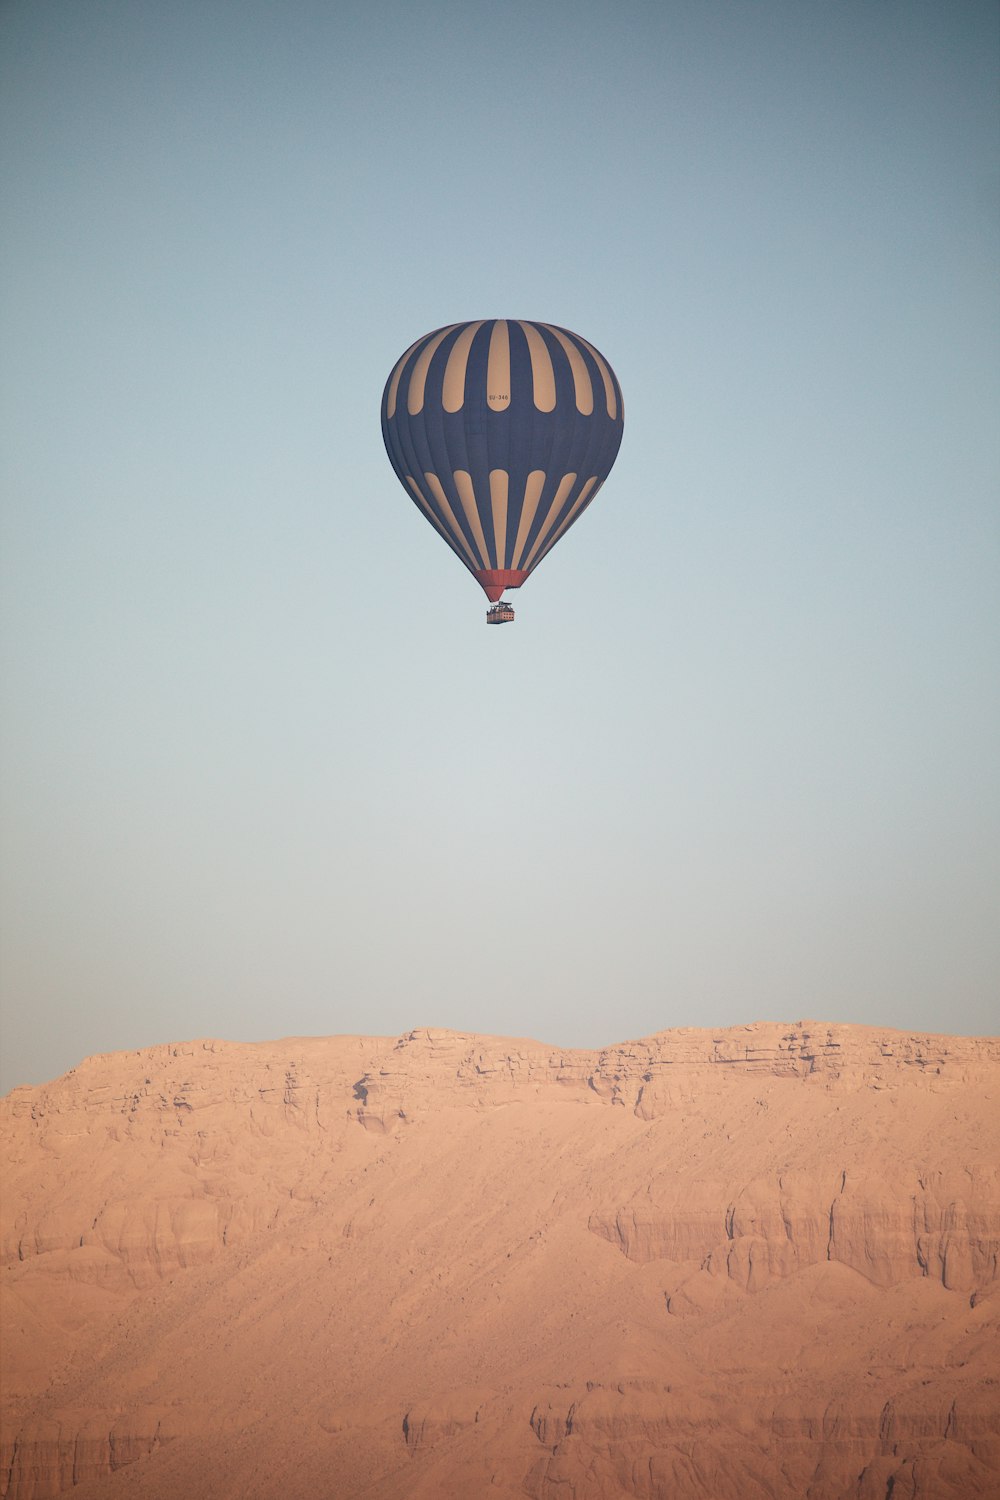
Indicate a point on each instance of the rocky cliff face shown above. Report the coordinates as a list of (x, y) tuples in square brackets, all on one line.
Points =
[(758, 1262)]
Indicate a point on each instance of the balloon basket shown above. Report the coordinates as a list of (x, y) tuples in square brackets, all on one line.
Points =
[(499, 614)]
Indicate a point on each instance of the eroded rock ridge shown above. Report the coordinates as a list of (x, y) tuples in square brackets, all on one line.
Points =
[(758, 1261)]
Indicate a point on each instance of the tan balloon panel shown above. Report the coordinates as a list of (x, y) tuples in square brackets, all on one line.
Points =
[(529, 509), (582, 384), (543, 378), (453, 389), (498, 367), (499, 490), (415, 394)]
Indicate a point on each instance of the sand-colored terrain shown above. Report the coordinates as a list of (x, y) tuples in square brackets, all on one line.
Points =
[(759, 1262)]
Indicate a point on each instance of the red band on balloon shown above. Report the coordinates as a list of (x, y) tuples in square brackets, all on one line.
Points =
[(495, 580)]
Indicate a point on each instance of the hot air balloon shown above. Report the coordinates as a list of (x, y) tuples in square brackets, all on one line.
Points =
[(502, 432)]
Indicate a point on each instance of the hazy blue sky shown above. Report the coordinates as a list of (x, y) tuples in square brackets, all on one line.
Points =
[(265, 769)]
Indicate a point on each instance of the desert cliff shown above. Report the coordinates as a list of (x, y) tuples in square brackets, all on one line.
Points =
[(758, 1262)]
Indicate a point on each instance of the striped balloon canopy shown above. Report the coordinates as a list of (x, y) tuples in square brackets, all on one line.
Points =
[(502, 432)]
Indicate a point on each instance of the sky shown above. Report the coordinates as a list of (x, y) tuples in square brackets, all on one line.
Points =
[(265, 771)]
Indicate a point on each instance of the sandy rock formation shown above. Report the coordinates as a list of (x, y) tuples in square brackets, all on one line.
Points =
[(760, 1262)]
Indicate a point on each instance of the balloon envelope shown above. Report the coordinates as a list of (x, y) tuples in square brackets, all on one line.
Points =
[(502, 432)]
